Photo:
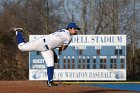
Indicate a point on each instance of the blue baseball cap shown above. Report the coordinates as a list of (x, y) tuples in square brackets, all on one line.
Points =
[(72, 25)]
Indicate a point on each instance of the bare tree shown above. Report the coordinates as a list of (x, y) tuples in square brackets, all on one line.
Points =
[(117, 17), (33, 18), (84, 17)]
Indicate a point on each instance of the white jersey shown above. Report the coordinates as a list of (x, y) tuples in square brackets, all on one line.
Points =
[(57, 39), (46, 44)]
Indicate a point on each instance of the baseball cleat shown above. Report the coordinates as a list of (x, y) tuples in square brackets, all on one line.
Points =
[(16, 29), (51, 84)]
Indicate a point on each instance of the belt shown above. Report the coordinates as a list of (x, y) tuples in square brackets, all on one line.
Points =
[(46, 46)]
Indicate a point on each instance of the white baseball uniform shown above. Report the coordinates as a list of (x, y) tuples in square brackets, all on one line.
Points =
[(46, 44)]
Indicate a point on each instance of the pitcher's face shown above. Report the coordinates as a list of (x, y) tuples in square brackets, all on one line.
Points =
[(73, 31)]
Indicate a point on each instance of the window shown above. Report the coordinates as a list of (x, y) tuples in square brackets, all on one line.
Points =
[(122, 61), (94, 66), (84, 61), (72, 63), (113, 66), (79, 66), (64, 62), (98, 51), (103, 64), (68, 66), (80, 51), (79, 60), (115, 60), (64, 66), (116, 51), (94, 60), (68, 60), (68, 63), (88, 66), (113, 63), (105, 59), (84, 66), (122, 66), (88, 60), (94, 63), (101, 60), (72, 66), (120, 51)]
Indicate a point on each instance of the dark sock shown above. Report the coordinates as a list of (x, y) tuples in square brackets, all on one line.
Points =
[(20, 38), (50, 72)]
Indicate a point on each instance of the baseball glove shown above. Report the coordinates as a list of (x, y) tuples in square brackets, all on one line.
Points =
[(55, 57)]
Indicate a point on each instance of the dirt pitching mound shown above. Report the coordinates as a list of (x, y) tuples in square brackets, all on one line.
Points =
[(41, 87)]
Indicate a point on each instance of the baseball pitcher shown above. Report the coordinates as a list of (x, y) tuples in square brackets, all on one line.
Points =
[(46, 45)]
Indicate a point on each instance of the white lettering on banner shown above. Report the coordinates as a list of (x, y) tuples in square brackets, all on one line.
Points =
[(38, 61), (59, 74), (92, 40), (80, 47), (88, 75), (97, 47), (98, 40), (37, 66), (108, 39)]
